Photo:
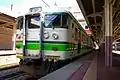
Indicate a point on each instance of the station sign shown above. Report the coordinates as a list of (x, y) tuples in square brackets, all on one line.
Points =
[(35, 9)]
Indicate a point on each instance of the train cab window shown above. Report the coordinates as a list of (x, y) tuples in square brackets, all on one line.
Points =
[(32, 22), (20, 22), (56, 21), (52, 20)]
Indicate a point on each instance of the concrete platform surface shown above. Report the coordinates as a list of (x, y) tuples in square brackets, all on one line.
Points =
[(8, 58), (6, 52), (67, 72)]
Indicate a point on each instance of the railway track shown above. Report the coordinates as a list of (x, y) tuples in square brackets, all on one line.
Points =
[(15, 74)]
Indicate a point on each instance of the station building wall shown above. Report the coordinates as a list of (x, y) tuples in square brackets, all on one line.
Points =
[(7, 28)]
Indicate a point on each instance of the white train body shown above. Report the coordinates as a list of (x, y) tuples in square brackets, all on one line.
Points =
[(58, 37), (49, 41)]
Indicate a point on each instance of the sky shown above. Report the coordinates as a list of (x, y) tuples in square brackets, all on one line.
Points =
[(20, 7)]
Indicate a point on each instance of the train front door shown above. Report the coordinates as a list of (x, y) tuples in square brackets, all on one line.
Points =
[(32, 41)]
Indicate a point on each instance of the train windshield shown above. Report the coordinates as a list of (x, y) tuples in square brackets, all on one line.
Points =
[(20, 22), (33, 22), (55, 21)]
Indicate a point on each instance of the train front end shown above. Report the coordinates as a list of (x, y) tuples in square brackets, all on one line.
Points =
[(31, 31), (28, 35), (55, 36), (44, 40)]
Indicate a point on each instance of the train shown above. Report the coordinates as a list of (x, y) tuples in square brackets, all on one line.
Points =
[(48, 40)]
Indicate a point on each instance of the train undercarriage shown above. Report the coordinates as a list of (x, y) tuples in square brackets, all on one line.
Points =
[(39, 67)]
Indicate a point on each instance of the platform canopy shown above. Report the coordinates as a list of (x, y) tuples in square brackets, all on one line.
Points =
[(93, 11)]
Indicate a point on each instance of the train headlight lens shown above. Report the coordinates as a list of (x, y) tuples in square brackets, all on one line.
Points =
[(55, 36), (19, 36), (46, 35)]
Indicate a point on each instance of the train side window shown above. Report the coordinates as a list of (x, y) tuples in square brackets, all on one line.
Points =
[(72, 30), (64, 21), (82, 38), (72, 25), (76, 33)]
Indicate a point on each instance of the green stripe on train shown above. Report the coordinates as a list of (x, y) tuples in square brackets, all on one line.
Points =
[(45, 46), (19, 45), (49, 46)]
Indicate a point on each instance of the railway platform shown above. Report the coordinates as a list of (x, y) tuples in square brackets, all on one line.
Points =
[(80, 69), (104, 73), (90, 67), (8, 59)]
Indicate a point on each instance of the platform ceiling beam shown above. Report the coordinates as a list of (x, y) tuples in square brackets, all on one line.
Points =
[(93, 5), (97, 24), (95, 14), (83, 10)]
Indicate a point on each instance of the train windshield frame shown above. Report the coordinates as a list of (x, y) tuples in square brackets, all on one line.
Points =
[(56, 21), (32, 22)]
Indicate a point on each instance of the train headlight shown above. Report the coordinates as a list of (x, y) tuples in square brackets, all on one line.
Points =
[(19, 36), (46, 35), (55, 36)]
